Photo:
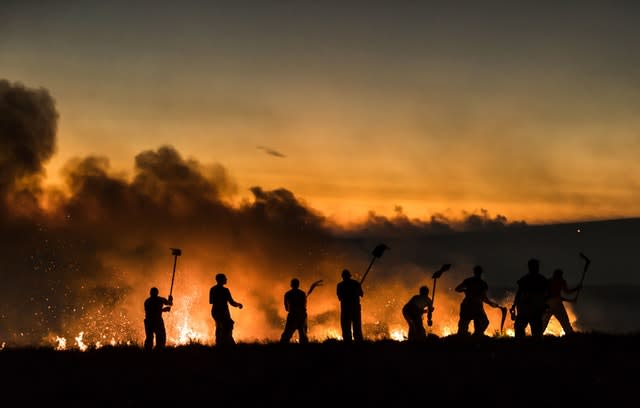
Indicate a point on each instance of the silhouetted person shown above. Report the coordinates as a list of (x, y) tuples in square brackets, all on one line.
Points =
[(472, 308), (555, 305), (220, 299), (413, 311), (295, 303), (349, 293), (154, 305), (530, 302)]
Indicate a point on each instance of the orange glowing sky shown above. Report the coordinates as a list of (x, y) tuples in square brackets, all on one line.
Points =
[(526, 111)]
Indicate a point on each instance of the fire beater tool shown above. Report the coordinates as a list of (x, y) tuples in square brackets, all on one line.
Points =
[(435, 277), (176, 252), (587, 262), (377, 253), (313, 286)]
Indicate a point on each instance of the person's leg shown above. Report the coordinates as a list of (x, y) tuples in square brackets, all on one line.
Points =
[(161, 335), (546, 317), (289, 328), (302, 335), (463, 326), (536, 325), (302, 330), (420, 332), (480, 324), (409, 320), (221, 331), (357, 323), (563, 318), (345, 324), (229, 332), (148, 332), (466, 316), (519, 326)]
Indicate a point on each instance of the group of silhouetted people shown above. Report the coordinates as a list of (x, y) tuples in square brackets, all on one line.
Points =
[(219, 298), (537, 300), (349, 292)]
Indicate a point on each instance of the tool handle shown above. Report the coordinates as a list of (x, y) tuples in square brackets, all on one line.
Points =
[(173, 275), (367, 271)]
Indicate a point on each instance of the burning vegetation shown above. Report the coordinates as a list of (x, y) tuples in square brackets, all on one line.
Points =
[(79, 259)]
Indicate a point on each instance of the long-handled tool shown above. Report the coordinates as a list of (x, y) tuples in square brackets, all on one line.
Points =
[(587, 262), (377, 253), (435, 277), (313, 286), (176, 252)]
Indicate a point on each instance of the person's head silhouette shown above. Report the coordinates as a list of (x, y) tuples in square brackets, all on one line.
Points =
[(154, 292), (346, 274), (295, 283), (477, 270), (221, 278), (424, 291)]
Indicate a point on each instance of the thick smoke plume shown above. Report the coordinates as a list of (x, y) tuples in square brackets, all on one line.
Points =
[(28, 121), (85, 263)]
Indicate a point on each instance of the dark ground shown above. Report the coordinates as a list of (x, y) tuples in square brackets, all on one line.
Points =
[(583, 369)]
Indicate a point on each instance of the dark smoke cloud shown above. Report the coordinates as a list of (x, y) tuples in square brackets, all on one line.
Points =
[(27, 139), (88, 261), (402, 226)]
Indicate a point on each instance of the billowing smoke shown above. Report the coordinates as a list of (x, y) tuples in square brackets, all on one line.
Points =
[(28, 121), (86, 263)]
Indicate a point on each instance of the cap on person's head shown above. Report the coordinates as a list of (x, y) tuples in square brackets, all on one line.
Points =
[(221, 278), (154, 291), (346, 274), (477, 270), (424, 290), (295, 283)]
